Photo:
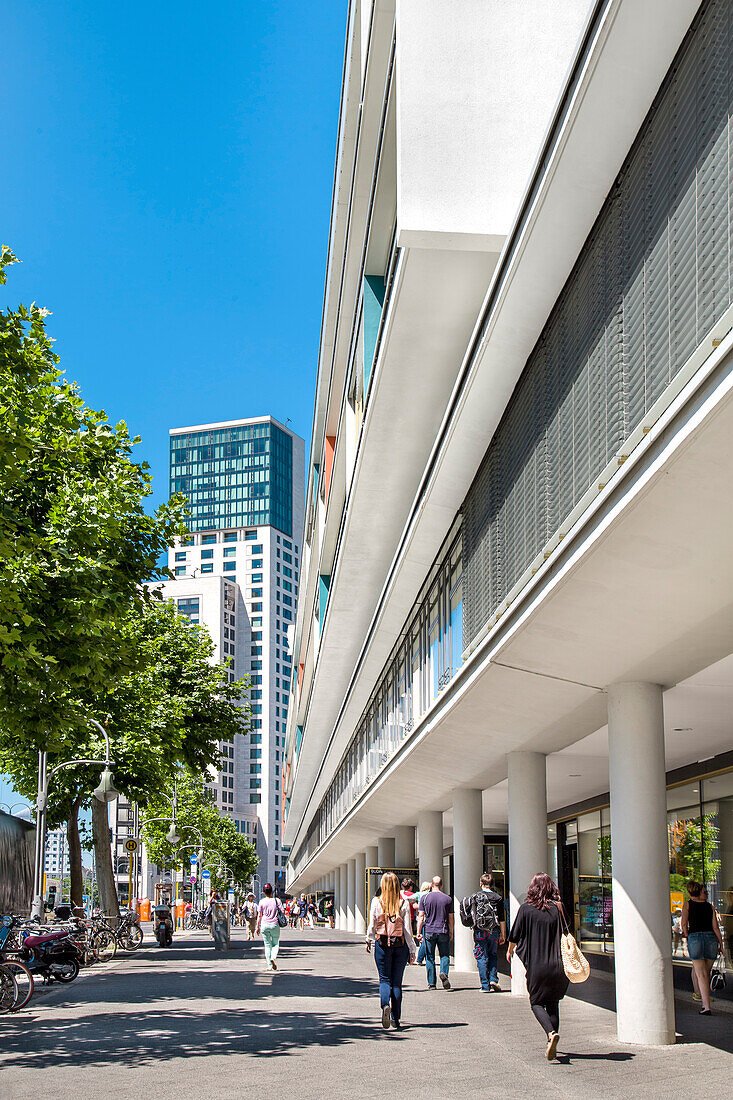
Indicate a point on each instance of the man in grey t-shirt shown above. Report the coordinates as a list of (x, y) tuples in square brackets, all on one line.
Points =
[(435, 921)]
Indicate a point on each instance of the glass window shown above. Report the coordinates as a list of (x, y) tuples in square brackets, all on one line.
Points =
[(230, 536), (180, 570), (257, 594), (207, 567), (257, 549), (230, 551), (256, 563), (208, 539), (718, 851), (207, 554), (256, 578), (249, 536), (188, 541), (229, 567), (181, 557)]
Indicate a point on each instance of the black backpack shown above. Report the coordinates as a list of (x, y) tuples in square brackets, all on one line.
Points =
[(479, 912)]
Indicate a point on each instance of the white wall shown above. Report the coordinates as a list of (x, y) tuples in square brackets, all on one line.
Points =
[(477, 82)]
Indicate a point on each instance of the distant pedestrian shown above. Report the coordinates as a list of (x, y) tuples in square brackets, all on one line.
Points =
[(535, 936), (425, 888), (268, 924), (250, 915), (704, 941), (394, 946), (407, 893), (328, 911), (302, 911), (484, 913), (312, 914), (678, 940), (435, 922)]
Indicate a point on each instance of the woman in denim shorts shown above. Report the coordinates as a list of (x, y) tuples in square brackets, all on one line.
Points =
[(704, 941)]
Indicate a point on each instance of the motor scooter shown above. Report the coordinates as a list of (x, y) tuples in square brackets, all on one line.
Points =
[(53, 955), (163, 925)]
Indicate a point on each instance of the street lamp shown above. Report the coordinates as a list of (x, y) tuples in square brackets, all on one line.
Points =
[(23, 805), (105, 792)]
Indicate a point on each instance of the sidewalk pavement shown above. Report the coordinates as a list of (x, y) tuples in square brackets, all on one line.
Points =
[(188, 1020)]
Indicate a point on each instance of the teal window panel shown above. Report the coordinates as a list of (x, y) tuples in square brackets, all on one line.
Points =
[(324, 583), (374, 289)]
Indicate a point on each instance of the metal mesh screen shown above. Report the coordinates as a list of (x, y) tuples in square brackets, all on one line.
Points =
[(652, 279)]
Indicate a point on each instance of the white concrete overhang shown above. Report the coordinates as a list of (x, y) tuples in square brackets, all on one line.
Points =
[(621, 63), (429, 318), (641, 590), (357, 163)]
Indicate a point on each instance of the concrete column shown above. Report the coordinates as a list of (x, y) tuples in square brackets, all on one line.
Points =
[(527, 836), (468, 864), (372, 856), (404, 843), (430, 844), (385, 851), (360, 913), (341, 895), (640, 865), (350, 894)]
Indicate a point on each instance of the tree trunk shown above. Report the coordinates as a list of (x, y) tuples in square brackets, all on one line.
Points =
[(76, 885), (103, 859)]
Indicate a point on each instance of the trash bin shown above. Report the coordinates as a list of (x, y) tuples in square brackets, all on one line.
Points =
[(143, 909), (180, 913)]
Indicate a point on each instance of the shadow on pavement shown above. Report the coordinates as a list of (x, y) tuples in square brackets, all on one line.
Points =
[(142, 1038), (567, 1057)]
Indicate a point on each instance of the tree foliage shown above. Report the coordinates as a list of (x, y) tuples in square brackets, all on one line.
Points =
[(197, 813), (75, 540)]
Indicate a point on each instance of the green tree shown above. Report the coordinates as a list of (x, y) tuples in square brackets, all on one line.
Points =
[(197, 813), (76, 543), (173, 709)]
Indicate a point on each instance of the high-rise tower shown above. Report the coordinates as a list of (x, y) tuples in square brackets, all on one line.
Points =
[(237, 572)]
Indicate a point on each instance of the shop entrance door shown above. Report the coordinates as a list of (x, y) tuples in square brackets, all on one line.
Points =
[(567, 866)]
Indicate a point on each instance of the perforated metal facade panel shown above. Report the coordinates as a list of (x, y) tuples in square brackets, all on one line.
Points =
[(651, 280)]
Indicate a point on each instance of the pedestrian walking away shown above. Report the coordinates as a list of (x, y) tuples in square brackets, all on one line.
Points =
[(269, 925), (704, 940), (394, 946), (484, 913), (250, 915), (328, 911), (424, 889), (535, 936), (435, 923)]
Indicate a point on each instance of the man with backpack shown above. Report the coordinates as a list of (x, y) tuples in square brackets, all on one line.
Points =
[(484, 912)]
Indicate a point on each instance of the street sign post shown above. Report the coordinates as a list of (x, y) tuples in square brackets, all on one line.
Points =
[(206, 874), (192, 879), (193, 858)]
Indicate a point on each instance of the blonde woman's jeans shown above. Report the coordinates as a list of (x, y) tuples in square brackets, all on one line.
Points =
[(271, 938)]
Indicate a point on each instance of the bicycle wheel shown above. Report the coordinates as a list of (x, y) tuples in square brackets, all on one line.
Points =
[(133, 937), (106, 945), (23, 981), (8, 989)]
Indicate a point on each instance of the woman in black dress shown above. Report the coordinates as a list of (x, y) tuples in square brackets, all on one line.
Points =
[(535, 936)]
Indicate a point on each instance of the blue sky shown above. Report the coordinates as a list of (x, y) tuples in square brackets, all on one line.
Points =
[(166, 181)]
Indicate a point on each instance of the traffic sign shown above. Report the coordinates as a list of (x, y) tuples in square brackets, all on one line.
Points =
[(193, 858), (206, 874), (192, 879), (131, 844)]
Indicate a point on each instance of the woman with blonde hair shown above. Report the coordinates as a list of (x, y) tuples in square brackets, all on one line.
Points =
[(390, 930)]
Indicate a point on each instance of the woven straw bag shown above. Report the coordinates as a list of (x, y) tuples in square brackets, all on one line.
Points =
[(574, 962)]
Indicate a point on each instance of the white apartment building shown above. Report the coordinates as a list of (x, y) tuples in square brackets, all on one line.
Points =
[(56, 860), (515, 639), (237, 573)]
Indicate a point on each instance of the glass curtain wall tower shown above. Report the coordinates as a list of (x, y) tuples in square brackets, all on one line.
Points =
[(244, 483)]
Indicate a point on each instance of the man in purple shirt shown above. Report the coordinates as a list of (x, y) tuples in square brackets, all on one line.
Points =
[(435, 916)]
